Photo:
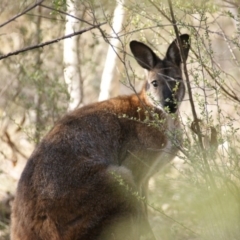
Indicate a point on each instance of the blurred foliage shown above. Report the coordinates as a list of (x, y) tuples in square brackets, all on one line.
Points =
[(195, 197)]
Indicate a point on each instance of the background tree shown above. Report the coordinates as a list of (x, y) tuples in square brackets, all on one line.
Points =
[(110, 71), (194, 197), (71, 57)]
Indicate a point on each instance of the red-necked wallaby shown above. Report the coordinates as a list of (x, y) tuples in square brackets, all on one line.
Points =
[(81, 180)]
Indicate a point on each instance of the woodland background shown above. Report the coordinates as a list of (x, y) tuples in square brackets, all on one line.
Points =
[(42, 76)]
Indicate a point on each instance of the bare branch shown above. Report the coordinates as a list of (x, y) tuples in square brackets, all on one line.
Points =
[(51, 41), (65, 13), (212, 181), (228, 92), (186, 74), (22, 13)]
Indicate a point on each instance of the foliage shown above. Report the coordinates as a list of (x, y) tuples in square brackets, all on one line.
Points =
[(198, 195)]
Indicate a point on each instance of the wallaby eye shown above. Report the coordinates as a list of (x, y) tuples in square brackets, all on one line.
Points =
[(154, 83)]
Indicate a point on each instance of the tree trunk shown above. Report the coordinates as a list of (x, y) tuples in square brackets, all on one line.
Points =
[(111, 60), (70, 55), (39, 122)]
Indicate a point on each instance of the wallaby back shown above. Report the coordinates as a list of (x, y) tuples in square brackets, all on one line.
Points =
[(80, 181)]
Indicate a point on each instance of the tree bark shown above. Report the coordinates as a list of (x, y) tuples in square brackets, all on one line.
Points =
[(111, 60), (70, 55)]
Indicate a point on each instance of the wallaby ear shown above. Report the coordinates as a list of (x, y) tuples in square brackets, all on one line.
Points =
[(174, 53), (144, 55)]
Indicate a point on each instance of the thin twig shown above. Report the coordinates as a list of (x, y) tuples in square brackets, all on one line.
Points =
[(51, 41), (65, 13), (22, 13), (191, 95), (171, 218), (161, 11), (232, 95), (185, 73)]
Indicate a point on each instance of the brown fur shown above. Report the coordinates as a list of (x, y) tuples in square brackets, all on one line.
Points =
[(71, 186)]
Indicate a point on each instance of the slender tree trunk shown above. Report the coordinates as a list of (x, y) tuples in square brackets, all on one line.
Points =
[(38, 97), (111, 60), (70, 55)]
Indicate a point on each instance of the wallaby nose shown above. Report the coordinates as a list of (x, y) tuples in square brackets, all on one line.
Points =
[(170, 103)]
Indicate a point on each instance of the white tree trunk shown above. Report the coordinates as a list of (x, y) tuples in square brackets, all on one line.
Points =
[(111, 59), (70, 58)]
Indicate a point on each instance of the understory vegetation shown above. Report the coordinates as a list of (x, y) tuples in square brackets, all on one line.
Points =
[(197, 196)]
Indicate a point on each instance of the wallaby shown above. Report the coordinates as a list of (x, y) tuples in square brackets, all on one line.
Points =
[(84, 180)]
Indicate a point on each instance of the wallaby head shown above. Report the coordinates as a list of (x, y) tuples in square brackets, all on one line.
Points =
[(164, 88)]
